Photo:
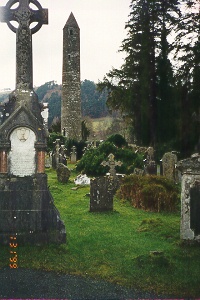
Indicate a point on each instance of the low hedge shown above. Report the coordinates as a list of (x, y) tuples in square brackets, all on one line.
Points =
[(152, 193)]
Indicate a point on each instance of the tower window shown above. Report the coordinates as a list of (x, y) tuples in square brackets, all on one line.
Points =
[(71, 32), (69, 56)]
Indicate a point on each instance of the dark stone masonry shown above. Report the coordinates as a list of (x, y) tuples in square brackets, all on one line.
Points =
[(26, 205)]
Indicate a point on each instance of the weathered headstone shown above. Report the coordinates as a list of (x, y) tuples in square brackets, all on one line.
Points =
[(48, 160), (190, 198), (26, 205), (63, 155), (112, 164), (169, 161), (63, 173), (73, 155), (103, 189), (150, 166), (55, 154)]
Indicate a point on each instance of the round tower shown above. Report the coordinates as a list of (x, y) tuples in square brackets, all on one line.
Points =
[(71, 92)]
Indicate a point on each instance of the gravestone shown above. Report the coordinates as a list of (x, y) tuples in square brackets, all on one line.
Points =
[(55, 154), (103, 189), (112, 164), (48, 160), (150, 166), (63, 155), (73, 155), (63, 173), (169, 161), (26, 205), (190, 198)]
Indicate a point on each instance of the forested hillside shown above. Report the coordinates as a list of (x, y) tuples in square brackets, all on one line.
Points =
[(93, 102)]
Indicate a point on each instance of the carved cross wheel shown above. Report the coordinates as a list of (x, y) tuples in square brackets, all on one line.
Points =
[(24, 15)]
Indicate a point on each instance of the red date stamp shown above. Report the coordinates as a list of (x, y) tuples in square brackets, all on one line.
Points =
[(13, 252)]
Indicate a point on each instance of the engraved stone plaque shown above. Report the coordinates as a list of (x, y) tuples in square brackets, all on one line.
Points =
[(22, 155)]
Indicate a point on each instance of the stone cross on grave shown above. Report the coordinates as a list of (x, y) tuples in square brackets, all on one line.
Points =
[(24, 16), (112, 164)]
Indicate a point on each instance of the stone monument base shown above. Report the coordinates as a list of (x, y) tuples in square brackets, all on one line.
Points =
[(27, 211)]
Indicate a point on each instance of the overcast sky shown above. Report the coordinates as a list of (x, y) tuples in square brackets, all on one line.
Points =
[(102, 25)]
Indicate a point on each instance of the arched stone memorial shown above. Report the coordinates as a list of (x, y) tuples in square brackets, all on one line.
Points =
[(190, 198), (27, 210)]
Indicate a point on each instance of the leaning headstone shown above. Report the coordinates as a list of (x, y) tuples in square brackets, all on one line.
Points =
[(26, 205), (63, 173), (103, 189), (169, 161), (190, 198)]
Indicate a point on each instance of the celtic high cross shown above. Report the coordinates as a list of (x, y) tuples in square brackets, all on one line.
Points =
[(24, 15), (112, 164)]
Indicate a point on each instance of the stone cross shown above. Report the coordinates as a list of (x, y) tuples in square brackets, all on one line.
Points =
[(112, 164), (24, 15)]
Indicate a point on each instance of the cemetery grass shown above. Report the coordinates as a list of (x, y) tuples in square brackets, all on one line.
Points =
[(116, 246)]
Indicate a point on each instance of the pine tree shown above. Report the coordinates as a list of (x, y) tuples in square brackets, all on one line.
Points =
[(137, 88), (188, 54)]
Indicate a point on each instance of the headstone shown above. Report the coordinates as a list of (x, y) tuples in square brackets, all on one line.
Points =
[(26, 206), (190, 198), (103, 189), (169, 161), (55, 154), (101, 194), (150, 166), (63, 155), (139, 172), (63, 173), (73, 155), (112, 164), (48, 160)]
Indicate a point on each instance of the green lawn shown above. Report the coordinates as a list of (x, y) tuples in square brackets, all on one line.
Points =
[(116, 246)]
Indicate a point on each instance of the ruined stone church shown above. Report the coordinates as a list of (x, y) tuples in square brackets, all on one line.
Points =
[(71, 94)]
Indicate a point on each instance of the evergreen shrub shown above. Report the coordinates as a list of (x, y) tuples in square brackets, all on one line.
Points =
[(90, 163), (152, 193), (118, 140)]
